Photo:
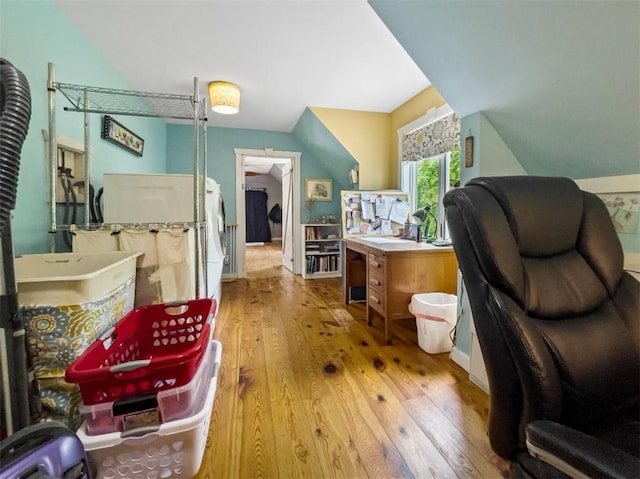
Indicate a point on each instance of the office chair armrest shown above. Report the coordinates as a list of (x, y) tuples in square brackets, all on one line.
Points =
[(578, 454)]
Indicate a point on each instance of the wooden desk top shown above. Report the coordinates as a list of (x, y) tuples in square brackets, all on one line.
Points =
[(391, 244)]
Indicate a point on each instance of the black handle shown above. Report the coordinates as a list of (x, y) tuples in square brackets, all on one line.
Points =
[(134, 404)]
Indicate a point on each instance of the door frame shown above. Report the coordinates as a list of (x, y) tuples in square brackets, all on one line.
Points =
[(286, 223), (241, 236)]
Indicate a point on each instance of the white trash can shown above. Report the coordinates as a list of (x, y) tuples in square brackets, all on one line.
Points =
[(435, 318)]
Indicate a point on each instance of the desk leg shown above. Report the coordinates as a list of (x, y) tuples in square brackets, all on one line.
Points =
[(387, 327), (387, 324), (354, 279)]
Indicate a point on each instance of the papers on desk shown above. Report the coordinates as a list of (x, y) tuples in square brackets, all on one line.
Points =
[(378, 239)]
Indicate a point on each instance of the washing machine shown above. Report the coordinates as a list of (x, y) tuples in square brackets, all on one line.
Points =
[(216, 238)]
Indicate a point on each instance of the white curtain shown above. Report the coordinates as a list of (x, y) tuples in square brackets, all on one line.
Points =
[(409, 181)]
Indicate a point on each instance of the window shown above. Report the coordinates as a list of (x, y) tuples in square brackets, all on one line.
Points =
[(430, 163)]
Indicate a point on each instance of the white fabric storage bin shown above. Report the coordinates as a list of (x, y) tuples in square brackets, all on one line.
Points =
[(435, 318)]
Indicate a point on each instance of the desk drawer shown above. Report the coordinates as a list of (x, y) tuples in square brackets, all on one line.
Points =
[(375, 300), (376, 280), (376, 264)]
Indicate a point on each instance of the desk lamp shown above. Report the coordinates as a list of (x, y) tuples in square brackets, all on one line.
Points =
[(422, 215)]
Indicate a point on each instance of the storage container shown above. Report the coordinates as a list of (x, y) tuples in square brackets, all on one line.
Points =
[(435, 319), (67, 300), (174, 449), (158, 198), (168, 405), (151, 349), (71, 278)]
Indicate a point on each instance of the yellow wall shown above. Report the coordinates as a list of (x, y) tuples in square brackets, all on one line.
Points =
[(407, 112), (372, 138), (365, 135)]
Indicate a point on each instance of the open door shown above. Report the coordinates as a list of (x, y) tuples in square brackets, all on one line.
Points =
[(287, 218), (291, 209)]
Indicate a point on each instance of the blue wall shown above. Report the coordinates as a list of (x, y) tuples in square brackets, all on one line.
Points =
[(543, 73), (51, 37), (32, 34), (317, 161), (317, 138)]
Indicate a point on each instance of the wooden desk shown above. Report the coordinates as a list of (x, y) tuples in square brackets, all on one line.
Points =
[(392, 271)]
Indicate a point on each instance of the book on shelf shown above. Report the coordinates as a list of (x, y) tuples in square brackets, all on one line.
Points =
[(322, 264), (327, 231)]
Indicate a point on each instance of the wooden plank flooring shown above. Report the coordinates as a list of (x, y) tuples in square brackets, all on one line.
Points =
[(307, 390)]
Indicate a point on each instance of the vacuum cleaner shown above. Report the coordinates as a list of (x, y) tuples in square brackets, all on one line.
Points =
[(16, 394)]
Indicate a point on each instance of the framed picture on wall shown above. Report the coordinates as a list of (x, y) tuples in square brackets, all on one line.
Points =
[(624, 209), (468, 151), (318, 189), (118, 134)]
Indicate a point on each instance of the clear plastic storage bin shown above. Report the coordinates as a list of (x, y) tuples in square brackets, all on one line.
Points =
[(147, 411), (174, 449)]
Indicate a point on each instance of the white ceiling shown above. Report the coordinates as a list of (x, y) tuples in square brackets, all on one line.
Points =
[(266, 166), (284, 55)]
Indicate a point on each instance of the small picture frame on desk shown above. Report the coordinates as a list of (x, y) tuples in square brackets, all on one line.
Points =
[(411, 232)]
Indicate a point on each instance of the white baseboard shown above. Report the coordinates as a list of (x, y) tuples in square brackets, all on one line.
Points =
[(480, 382), (461, 358), (464, 361)]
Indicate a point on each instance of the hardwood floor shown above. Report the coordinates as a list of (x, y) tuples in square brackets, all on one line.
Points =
[(306, 389)]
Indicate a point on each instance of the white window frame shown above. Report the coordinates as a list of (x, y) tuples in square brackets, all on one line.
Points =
[(408, 178)]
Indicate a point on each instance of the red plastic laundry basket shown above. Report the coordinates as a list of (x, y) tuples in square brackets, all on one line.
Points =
[(151, 349)]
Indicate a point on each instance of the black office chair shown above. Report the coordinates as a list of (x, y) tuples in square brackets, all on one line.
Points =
[(558, 322)]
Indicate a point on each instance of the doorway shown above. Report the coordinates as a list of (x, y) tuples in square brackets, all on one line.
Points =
[(281, 166)]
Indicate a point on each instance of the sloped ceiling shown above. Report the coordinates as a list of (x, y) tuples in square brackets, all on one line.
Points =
[(559, 81), (323, 145), (284, 55)]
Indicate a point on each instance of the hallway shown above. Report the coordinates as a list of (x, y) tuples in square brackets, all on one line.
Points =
[(265, 260)]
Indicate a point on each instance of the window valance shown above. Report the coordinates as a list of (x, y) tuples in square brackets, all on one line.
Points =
[(433, 139)]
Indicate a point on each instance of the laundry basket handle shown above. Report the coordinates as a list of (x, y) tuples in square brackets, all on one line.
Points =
[(130, 366)]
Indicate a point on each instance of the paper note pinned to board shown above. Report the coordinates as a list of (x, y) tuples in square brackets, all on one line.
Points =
[(399, 211), (383, 206), (367, 211)]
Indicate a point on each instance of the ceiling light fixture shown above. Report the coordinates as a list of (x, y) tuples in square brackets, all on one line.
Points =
[(224, 97)]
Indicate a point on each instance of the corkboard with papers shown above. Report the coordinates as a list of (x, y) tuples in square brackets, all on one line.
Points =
[(368, 212)]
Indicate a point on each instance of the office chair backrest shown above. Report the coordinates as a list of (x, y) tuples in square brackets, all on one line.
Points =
[(556, 316)]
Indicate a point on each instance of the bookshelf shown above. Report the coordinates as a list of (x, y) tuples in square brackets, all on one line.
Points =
[(321, 246)]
